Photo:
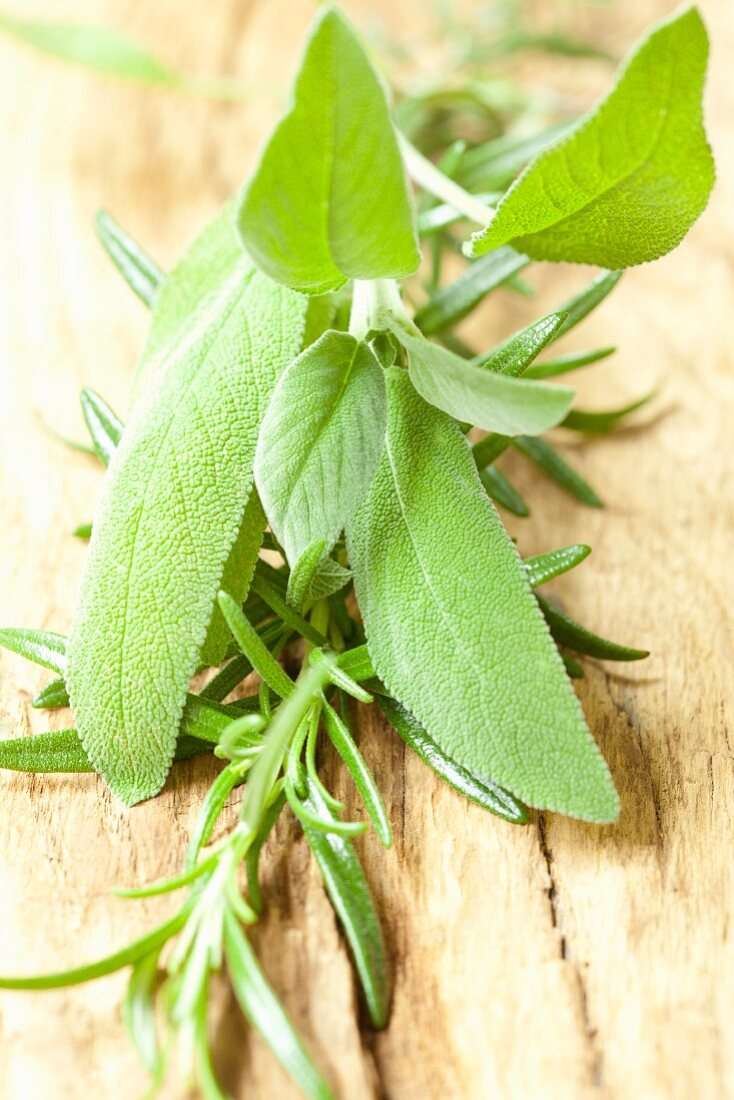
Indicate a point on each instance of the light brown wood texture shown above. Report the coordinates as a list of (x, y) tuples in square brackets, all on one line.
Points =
[(555, 961)]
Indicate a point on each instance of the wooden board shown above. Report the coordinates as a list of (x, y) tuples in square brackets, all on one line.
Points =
[(557, 961)]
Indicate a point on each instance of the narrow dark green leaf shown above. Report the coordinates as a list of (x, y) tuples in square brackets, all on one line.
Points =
[(576, 637), (60, 751), (493, 165), (582, 304), (254, 648), (503, 491), (128, 956), (594, 423), (347, 888), (478, 789), (261, 1007), (357, 663), (565, 364), (544, 455), (573, 668), (284, 611), (515, 355), (51, 696), (544, 567), (459, 298), (140, 272), (489, 449), (252, 859), (103, 424), (342, 740), (43, 647)]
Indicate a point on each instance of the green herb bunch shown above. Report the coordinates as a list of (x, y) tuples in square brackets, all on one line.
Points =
[(295, 474)]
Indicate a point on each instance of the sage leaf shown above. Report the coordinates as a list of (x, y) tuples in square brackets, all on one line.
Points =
[(140, 272), (43, 647), (173, 503), (451, 304), (328, 201), (330, 577), (264, 1012), (555, 466), (320, 442), (477, 789), (452, 627), (572, 635), (104, 426), (626, 184), (349, 893), (473, 395)]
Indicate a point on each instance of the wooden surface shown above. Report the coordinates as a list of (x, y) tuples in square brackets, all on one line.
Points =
[(555, 961)]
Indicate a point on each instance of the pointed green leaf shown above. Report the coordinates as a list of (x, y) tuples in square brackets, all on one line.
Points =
[(98, 48), (172, 506), (451, 304), (264, 1012), (545, 567), (43, 647), (320, 442), (482, 397), (349, 893), (342, 740), (503, 492), (139, 271), (328, 201), (104, 426), (574, 636), (515, 355), (477, 789), (627, 183), (138, 1010), (564, 364), (594, 423), (330, 577), (555, 466), (51, 696), (453, 629)]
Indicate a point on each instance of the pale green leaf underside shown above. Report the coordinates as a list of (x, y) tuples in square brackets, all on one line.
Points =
[(172, 504), (453, 629), (320, 442), (328, 201), (627, 183), (482, 397)]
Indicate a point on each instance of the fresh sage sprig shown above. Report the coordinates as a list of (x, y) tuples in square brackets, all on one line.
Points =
[(296, 467)]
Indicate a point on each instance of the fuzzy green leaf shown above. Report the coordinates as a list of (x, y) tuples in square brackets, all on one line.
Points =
[(51, 696), (172, 506), (139, 271), (328, 201), (453, 629), (515, 355), (320, 442), (627, 183), (474, 395)]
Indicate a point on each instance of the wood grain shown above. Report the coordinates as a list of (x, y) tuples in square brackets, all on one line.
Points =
[(557, 961)]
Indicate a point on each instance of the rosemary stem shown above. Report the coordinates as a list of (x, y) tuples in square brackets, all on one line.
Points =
[(432, 179)]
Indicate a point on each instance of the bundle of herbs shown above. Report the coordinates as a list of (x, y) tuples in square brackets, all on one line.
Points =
[(296, 473)]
